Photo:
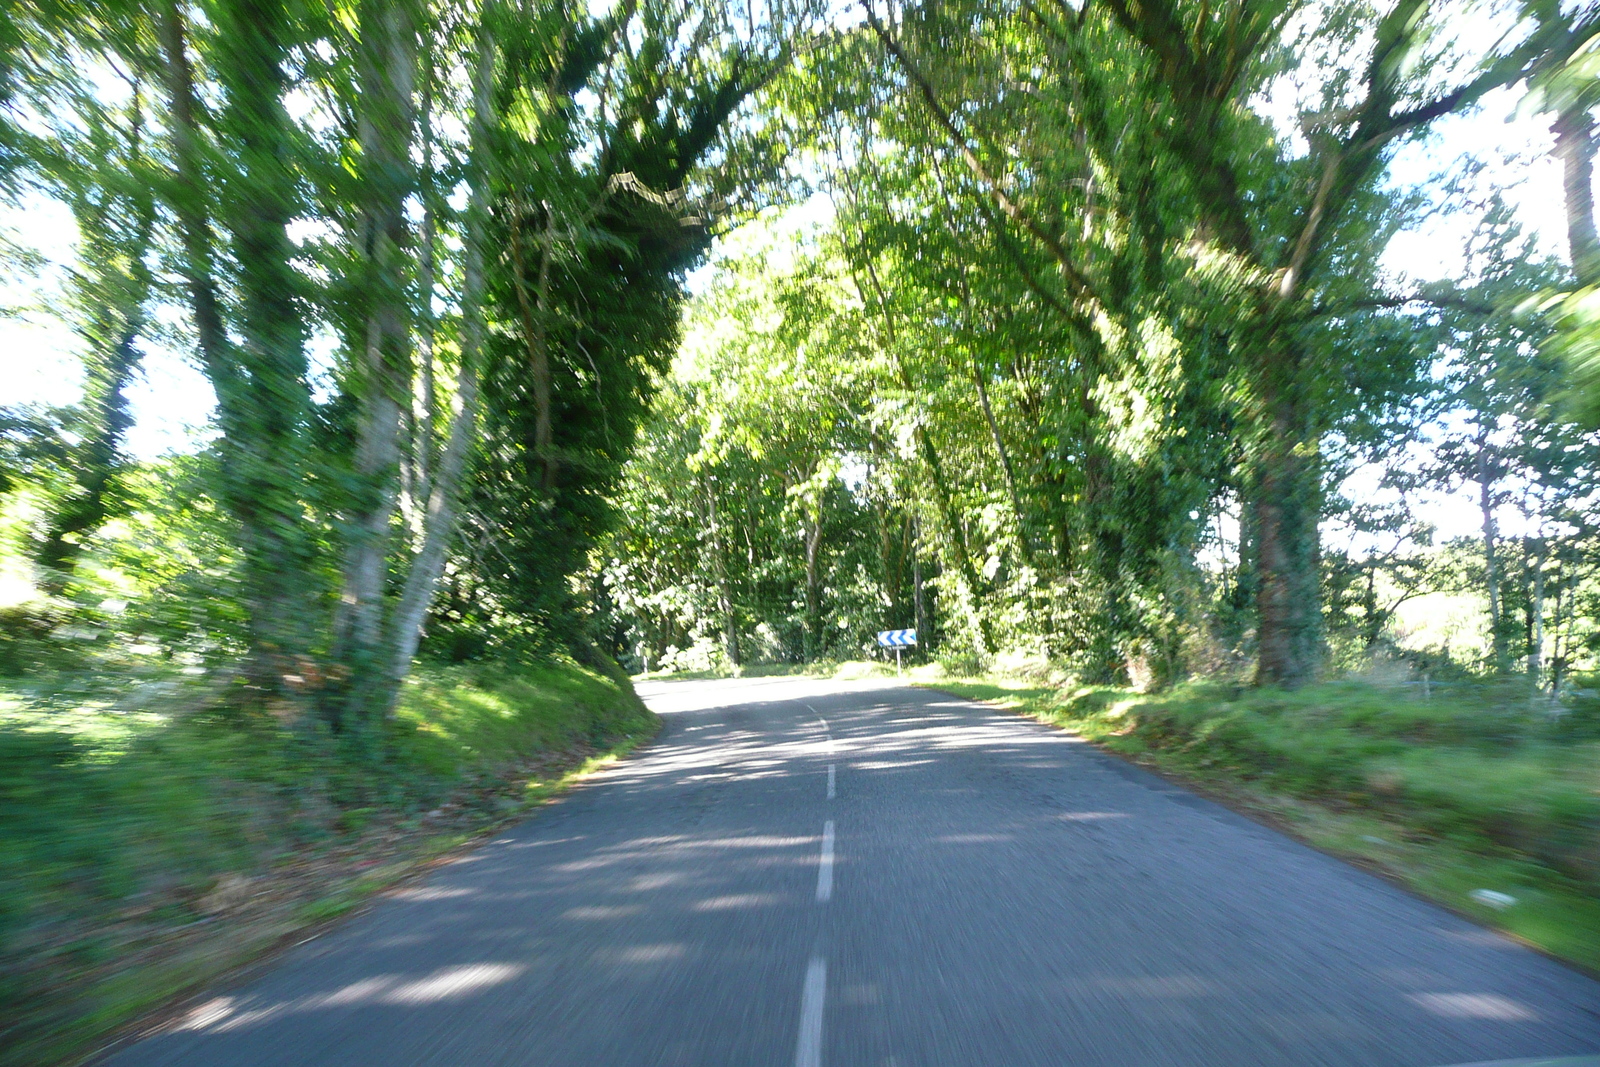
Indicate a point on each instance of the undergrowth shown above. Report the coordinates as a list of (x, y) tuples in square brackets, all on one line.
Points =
[(150, 838)]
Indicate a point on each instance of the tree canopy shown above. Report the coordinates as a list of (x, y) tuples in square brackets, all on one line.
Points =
[(1086, 339)]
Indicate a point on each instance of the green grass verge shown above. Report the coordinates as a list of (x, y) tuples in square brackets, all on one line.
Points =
[(150, 843), (1477, 789)]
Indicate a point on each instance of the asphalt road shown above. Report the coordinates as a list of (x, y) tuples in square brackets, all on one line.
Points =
[(820, 873)]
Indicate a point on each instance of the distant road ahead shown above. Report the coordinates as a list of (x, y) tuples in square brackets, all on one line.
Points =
[(850, 875)]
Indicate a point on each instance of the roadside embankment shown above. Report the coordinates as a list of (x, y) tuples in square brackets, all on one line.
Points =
[(1477, 797), (151, 842)]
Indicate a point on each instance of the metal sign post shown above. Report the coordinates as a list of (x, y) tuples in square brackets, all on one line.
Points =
[(897, 640)]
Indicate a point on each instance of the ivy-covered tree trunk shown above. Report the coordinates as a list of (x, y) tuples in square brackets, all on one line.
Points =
[(1537, 558), (115, 228), (1285, 499), (387, 61), (730, 622), (98, 460), (95, 464), (263, 399), (919, 602), (1024, 541)]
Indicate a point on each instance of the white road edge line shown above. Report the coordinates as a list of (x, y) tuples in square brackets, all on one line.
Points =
[(830, 781), (825, 867), (808, 1053)]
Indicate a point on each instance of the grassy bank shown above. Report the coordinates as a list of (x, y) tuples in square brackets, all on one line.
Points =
[(1468, 789), (151, 841)]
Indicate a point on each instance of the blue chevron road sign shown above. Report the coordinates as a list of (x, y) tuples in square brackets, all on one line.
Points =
[(897, 638)]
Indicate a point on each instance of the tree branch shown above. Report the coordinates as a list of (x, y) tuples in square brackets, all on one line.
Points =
[(1012, 209)]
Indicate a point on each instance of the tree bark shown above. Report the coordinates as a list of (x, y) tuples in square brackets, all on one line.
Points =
[(535, 328), (99, 457), (423, 451), (924, 632), (1575, 148), (1560, 639), (441, 517), (893, 579), (96, 463), (425, 406), (1536, 615), (930, 457), (814, 581), (1024, 542), (1287, 502), (730, 627), (387, 58), (263, 398), (1491, 561), (958, 540)]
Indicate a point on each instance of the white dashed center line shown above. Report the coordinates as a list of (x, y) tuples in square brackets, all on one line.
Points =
[(808, 1053), (825, 867)]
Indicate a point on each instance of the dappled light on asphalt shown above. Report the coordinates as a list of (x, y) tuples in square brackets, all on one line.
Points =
[(996, 892), (1475, 1006), (229, 1013)]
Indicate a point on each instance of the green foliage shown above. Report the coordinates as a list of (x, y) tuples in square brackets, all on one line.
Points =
[(599, 241), (115, 823), (765, 519), (263, 160)]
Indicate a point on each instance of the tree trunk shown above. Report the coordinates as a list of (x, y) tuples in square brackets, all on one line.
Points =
[(893, 584), (1491, 561), (98, 460), (1372, 619), (423, 451), (924, 632), (440, 519), (1575, 148), (1024, 543), (535, 329), (1560, 640), (814, 582), (387, 64), (930, 456), (958, 539), (263, 398), (118, 294), (730, 627), (1536, 616), (1286, 501), (425, 405)]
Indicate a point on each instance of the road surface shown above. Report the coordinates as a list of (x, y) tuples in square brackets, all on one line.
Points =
[(832, 874)]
